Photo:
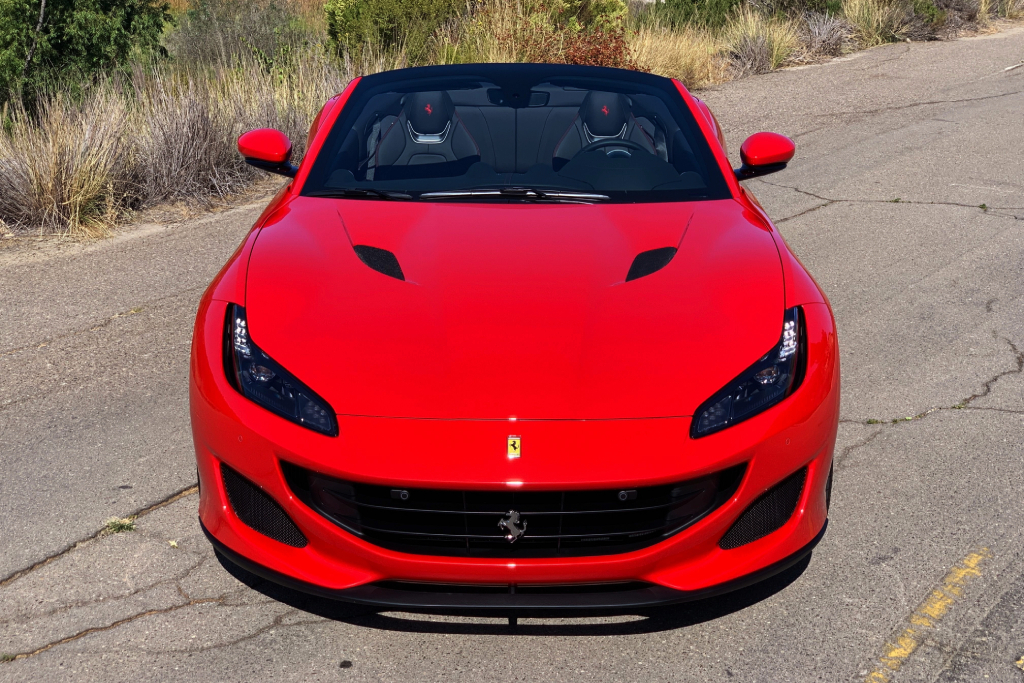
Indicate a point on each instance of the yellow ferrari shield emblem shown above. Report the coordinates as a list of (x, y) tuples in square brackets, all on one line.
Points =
[(514, 446)]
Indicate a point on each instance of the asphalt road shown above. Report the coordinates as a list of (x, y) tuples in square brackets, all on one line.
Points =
[(906, 200)]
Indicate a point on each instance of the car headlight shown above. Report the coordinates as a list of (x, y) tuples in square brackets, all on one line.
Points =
[(263, 381), (759, 387)]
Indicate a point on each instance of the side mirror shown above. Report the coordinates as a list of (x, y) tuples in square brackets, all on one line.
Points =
[(764, 153), (268, 149)]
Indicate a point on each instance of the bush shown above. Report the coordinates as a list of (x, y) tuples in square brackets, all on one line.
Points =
[(599, 47), (827, 34), (222, 31), (678, 13), (759, 44), (406, 25), (66, 170), (76, 37), (566, 32), (876, 22), (692, 55)]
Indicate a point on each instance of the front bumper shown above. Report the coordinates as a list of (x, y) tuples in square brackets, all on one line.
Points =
[(229, 429), (548, 601)]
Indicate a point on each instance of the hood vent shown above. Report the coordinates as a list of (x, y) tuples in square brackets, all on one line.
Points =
[(647, 262), (382, 260)]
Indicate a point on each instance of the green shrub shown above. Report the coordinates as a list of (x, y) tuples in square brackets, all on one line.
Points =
[(223, 31), (580, 15), (355, 25), (678, 13), (931, 14), (76, 37)]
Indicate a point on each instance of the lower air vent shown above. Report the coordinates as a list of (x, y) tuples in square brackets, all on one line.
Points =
[(381, 260), (647, 262), (767, 514), (259, 511)]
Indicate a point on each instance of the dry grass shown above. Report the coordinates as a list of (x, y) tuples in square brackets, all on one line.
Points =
[(759, 43), (66, 170), (79, 165), (876, 22), (693, 55)]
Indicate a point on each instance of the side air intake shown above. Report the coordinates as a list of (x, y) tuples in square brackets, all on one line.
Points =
[(647, 262), (259, 511), (381, 260), (767, 514)]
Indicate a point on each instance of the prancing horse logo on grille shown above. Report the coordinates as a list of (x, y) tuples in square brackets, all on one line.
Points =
[(512, 526)]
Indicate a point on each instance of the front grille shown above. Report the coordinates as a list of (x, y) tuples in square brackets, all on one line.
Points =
[(259, 511), (766, 514), (557, 523)]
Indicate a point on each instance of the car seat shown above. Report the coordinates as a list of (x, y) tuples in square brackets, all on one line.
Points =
[(602, 116), (426, 131)]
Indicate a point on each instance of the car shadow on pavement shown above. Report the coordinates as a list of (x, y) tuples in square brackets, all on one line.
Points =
[(642, 621)]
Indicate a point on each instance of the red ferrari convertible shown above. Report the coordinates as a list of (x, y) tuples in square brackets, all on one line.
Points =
[(512, 340)]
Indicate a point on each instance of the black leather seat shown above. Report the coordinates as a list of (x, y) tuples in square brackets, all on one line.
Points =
[(602, 116), (427, 131)]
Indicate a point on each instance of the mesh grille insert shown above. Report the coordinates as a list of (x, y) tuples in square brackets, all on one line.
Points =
[(259, 511), (767, 514)]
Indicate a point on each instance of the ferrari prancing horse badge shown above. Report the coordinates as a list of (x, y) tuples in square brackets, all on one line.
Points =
[(514, 446)]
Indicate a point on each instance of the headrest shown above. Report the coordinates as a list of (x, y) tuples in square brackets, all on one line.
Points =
[(428, 112), (605, 113)]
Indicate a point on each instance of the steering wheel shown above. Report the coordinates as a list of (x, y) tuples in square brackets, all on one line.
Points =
[(613, 142)]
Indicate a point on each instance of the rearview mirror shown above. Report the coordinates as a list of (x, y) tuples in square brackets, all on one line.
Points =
[(764, 153), (268, 149)]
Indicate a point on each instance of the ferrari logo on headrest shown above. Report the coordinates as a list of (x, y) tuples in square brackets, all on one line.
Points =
[(428, 109), (605, 109)]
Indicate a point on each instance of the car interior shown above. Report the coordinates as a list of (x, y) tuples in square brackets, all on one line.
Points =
[(552, 136)]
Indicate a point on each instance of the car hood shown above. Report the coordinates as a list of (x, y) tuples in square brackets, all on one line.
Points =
[(514, 310)]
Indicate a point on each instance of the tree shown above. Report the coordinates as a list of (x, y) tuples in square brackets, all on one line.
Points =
[(53, 39)]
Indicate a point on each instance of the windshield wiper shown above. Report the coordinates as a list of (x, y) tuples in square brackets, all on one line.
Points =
[(528, 193), (357, 192)]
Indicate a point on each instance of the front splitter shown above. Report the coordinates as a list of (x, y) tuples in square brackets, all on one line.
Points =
[(535, 601)]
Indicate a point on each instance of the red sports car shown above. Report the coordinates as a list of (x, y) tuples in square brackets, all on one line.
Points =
[(514, 340)]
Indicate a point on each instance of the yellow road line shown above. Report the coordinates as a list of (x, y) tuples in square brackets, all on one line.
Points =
[(927, 616)]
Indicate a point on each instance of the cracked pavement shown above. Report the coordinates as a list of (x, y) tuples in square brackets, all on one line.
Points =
[(928, 293)]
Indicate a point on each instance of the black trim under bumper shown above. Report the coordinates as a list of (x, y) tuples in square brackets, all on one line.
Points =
[(476, 600)]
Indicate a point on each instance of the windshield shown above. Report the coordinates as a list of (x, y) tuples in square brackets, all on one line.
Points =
[(516, 134)]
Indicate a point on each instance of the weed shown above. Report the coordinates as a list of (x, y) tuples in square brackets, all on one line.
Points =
[(7, 657), (897, 200), (983, 207), (873, 421), (116, 525)]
